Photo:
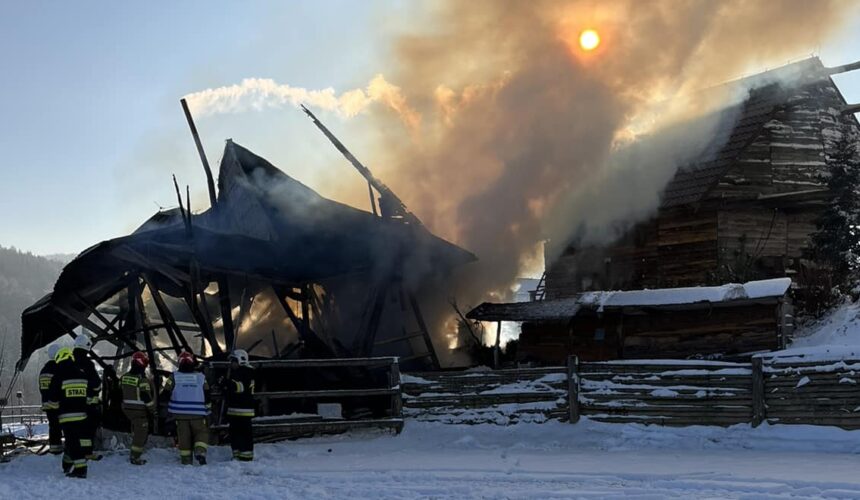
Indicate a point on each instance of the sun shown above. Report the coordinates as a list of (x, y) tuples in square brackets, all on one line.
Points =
[(589, 40)]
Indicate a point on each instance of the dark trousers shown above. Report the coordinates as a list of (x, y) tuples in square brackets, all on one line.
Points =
[(241, 438), (75, 457), (55, 433), (94, 421), (139, 419)]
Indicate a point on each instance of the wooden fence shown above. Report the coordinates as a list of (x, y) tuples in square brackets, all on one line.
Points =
[(662, 392), (499, 396), (803, 392), (365, 391), (665, 392)]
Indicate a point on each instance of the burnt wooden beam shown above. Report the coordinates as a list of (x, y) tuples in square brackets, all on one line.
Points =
[(275, 344), (175, 333), (85, 322), (297, 323), (850, 109), (226, 312), (843, 68), (138, 315), (210, 181), (201, 314), (205, 326), (306, 334), (416, 310), (367, 335)]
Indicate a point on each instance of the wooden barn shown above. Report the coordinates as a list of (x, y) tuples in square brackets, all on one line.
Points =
[(732, 320), (745, 209)]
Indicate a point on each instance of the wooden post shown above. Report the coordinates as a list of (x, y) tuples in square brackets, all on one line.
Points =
[(394, 383), (498, 344), (758, 403), (573, 388)]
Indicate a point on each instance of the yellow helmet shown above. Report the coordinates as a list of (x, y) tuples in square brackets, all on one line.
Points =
[(63, 354)]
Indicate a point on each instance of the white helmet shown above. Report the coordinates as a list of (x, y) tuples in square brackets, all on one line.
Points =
[(83, 342), (241, 356), (52, 350)]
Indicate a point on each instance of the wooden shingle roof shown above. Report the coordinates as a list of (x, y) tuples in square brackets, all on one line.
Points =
[(740, 126)]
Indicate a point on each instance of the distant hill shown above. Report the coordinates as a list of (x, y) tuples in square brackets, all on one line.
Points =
[(62, 258), (24, 279)]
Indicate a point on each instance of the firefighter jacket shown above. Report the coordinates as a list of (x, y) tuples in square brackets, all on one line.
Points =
[(94, 381), (137, 390), (239, 391), (68, 389), (45, 377), (189, 393)]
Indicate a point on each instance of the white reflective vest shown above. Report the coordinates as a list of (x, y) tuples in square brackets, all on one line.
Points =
[(188, 395)]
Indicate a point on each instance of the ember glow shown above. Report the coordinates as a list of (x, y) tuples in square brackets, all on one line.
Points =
[(589, 40)]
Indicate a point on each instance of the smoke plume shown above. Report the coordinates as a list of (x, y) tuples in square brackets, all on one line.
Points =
[(526, 137), (502, 132)]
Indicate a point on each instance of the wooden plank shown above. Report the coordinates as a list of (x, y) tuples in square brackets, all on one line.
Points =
[(333, 393), (314, 363), (758, 397), (327, 426), (573, 389)]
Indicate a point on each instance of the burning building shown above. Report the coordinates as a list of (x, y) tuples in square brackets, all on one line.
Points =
[(744, 209), (271, 267)]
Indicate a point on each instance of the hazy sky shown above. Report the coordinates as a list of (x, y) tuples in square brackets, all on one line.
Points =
[(91, 126)]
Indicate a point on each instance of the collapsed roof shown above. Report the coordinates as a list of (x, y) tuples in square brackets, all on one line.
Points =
[(265, 226)]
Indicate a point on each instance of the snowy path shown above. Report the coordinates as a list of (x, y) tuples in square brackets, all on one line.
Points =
[(589, 460)]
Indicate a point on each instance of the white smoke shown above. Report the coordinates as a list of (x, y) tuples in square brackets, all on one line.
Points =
[(257, 94)]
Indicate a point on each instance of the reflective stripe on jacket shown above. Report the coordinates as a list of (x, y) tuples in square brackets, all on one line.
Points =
[(136, 391), (240, 392), (189, 394)]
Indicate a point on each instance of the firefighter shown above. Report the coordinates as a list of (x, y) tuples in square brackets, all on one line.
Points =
[(189, 407), (137, 404), (68, 389), (55, 434), (83, 346), (239, 391)]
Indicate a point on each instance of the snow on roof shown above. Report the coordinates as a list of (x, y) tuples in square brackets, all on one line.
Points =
[(691, 295), (559, 309)]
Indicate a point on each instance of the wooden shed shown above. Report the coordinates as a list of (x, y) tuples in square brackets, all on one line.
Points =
[(745, 209), (731, 320)]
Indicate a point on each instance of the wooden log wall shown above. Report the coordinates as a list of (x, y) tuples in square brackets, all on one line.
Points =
[(499, 397), (680, 334), (667, 392), (687, 249)]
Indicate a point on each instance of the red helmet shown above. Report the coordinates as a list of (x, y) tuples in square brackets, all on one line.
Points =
[(186, 357), (140, 359)]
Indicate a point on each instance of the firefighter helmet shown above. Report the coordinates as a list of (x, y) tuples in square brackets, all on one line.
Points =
[(63, 354), (140, 359), (52, 350), (241, 357), (186, 357), (83, 342)]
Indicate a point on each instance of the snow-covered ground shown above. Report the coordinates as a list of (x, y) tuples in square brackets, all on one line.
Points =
[(553, 460), (527, 460), (835, 336)]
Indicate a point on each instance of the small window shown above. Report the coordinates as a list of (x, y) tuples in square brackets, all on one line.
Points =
[(599, 334)]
